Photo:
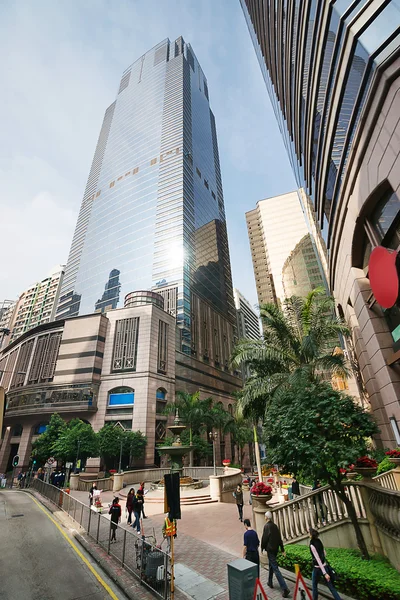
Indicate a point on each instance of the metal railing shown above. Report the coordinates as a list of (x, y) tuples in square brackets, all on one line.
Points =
[(138, 554), (294, 518)]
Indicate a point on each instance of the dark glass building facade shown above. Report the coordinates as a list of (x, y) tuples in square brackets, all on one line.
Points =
[(318, 58), (332, 69), (152, 216)]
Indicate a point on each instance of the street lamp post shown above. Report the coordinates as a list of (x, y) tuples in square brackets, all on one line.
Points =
[(120, 457), (77, 454), (213, 436)]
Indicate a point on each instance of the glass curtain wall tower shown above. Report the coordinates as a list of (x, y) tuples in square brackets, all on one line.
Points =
[(152, 215), (318, 59)]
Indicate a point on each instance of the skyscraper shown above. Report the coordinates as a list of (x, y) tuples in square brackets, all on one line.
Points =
[(332, 73), (152, 215), (247, 318)]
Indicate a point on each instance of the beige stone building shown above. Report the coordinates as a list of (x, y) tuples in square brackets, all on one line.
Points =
[(121, 366)]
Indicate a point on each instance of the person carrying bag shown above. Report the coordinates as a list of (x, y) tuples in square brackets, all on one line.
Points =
[(321, 568)]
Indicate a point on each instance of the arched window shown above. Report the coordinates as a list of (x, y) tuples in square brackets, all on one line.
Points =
[(230, 409), (40, 428), (161, 400), (121, 396)]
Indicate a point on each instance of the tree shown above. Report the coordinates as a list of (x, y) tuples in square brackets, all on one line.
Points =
[(242, 431), (299, 341), (193, 411), (110, 438), (77, 440), (42, 448), (315, 430)]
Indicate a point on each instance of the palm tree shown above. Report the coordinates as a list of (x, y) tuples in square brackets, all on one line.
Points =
[(192, 410), (299, 342)]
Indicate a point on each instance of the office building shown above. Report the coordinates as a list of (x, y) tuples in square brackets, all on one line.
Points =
[(275, 227), (332, 70), (301, 271), (248, 321)]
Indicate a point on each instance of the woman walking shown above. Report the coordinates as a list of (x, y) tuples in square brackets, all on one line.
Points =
[(115, 512), (129, 504), (251, 544), (320, 566), (238, 494)]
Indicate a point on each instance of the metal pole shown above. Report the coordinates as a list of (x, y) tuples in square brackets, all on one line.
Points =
[(77, 454), (120, 458), (90, 518), (123, 548), (215, 466), (98, 528)]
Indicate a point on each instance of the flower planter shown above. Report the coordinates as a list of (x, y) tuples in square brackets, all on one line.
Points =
[(395, 461), (351, 475), (260, 500), (366, 472), (226, 462)]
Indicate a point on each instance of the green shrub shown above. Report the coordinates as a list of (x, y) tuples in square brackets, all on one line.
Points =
[(385, 465), (375, 579)]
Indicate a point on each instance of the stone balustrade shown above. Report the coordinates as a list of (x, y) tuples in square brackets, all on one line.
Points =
[(389, 480), (222, 486)]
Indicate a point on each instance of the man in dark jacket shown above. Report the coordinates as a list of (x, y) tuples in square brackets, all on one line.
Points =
[(271, 542)]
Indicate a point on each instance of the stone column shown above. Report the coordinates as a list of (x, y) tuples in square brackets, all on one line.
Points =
[(73, 482), (25, 446), (5, 450), (118, 482), (366, 492)]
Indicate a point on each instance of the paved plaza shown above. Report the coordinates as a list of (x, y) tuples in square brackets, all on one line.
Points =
[(209, 537)]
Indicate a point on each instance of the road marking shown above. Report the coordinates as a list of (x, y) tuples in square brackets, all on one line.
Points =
[(79, 553)]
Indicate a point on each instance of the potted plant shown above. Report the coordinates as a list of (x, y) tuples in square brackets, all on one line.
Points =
[(366, 466), (260, 494), (394, 456), (350, 472), (226, 462)]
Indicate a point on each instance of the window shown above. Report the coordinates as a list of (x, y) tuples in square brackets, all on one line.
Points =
[(198, 172), (161, 401), (45, 358), (40, 428), (121, 396), (162, 347), (125, 345), (206, 184), (16, 431)]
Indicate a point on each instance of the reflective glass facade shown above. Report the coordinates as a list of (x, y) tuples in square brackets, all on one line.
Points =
[(152, 216), (318, 59)]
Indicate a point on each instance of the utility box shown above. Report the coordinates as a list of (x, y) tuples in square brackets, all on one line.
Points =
[(242, 575)]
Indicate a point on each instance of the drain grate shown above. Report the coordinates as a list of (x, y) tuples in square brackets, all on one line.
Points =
[(12, 516)]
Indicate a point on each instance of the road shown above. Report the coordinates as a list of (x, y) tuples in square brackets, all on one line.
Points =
[(38, 563)]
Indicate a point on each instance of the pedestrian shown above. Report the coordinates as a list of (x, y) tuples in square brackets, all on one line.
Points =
[(129, 504), (115, 512), (271, 541), (320, 566), (169, 529), (319, 505), (91, 494), (137, 503), (250, 545), (238, 495), (143, 494), (295, 487)]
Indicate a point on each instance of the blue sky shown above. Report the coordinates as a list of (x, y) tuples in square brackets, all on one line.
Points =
[(62, 63)]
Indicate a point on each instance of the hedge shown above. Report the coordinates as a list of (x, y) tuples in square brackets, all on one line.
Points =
[(375, 579)]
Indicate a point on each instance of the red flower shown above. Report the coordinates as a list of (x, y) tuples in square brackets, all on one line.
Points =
[(393, 453), (366, 463), (270, 480), (343, 471), (260, 489), (112, 471)]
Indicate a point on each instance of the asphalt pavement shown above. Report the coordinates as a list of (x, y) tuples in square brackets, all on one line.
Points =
[(37, 562)]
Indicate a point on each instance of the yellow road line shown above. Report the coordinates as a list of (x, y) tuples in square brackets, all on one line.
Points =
[(79, 553)]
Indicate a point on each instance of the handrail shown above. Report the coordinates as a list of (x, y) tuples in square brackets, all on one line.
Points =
[(388, 480), (294, 518)]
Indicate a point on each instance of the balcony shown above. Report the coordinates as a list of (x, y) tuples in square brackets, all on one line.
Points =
[(49, 399)]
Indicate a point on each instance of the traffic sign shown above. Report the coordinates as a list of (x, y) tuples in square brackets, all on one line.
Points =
[(15, 461), (301, 591), (259, 592), (50, 460)]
